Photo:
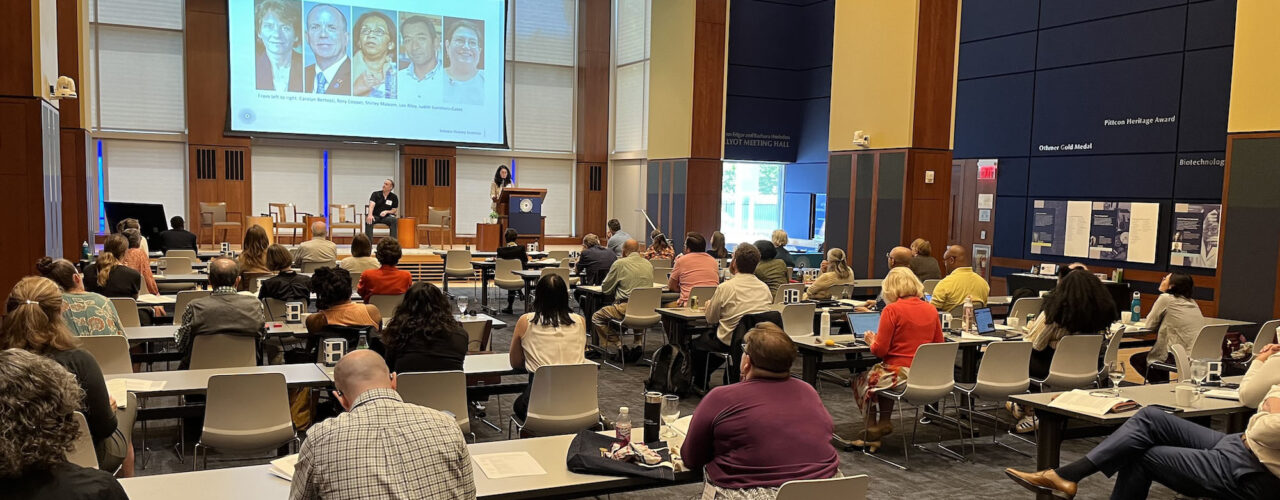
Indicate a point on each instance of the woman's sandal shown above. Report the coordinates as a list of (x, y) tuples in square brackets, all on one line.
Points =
[(1015, 410), (867, 446), (1027, 424)]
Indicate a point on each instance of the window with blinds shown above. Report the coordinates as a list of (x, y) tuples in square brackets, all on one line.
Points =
[(356, 173), (164, 14), (288, 175), (628, 192), (631, 75), (475, 175), (555, 176), (140, 79), (541, 44), (146, 172)]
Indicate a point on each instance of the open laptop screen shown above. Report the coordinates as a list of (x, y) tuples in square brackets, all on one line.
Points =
[(983, 317), (860, 323)]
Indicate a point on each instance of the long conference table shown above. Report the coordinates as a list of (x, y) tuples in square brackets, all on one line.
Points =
[(256, 483)]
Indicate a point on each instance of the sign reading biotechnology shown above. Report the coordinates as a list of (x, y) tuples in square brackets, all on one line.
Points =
[(1108, 230), (1194, 239)]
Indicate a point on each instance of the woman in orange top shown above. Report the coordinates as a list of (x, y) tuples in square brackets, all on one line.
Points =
[(385, 280), (905, 324)]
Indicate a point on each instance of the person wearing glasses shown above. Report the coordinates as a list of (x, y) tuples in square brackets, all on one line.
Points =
[(420, 41), (373, 65), (961, 283), (464, 48), (327, 37)]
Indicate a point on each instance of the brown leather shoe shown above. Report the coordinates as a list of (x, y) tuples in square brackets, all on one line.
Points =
[(1045, 481)]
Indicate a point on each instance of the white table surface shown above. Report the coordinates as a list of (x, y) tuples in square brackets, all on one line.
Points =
[(149, 333), (1145, 395), (197, 381), (472, 364), (181, 278)]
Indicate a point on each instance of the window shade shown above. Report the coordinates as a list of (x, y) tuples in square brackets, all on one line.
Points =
[(141, 79), (167, 14), (287, 175), (628, 190), (357, 173), (630, 105), (543, 101), (147, 172), (544, 31), (475, 174), (633, 31), (555, 176)]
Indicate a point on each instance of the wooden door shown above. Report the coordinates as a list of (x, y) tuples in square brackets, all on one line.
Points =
[(220, 174)]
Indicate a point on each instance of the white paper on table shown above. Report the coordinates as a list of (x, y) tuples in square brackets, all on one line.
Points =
[(119, 388), (283, 467), (1086, 402), (511, 464), (147, 298), (1228, 394), (682, 424)]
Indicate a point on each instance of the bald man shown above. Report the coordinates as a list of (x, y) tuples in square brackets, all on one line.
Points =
[(961, 283), (625, 274), (318, 248), (381, 447)]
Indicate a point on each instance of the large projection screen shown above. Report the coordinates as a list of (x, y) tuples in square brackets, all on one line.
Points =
[(420, 70)]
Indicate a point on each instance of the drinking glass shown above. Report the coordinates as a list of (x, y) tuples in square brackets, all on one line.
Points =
[(1199, 371), (1115, 372), (161, 265), (670, 413), (462, 305)]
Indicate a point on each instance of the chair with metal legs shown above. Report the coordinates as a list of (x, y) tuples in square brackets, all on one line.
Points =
[(931, 379), (1005, 371)]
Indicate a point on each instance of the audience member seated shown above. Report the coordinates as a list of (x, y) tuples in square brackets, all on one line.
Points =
[(332, 287), (1176, 319), (626, 274), (381, 447), (108, 276), (1188, 458), (318, 248), (694, 267), (718, 249), (771, 270), (661, 248), (385, 280), (550, 335), (780, 239), (1078, 305), (178, 238), (906, 323), (132, 223), (139, 261), (897, 257), (738, 296), (961, 283), (770, 428), (38, 399), (287, 285), (253, 255), (33, 321), (922, 262), (513, 250), (85, 313), (223, 312), (423, 335), (616, 237), (835, 271), (361, 259), (595, 260)]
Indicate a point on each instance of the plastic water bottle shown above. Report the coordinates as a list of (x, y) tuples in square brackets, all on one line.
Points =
[(970, 323), (824, 326), (84, 251), (1136, 307), (363, 343), (622, 426)]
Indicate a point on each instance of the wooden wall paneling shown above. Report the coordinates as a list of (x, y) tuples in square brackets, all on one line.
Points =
[(935, 74), (444, 185), (704, 183), (594, 24), (416, 189), (592, 197), (22, 175), (79, 198), (928, 205), (709, 37), (205, 40), (220, 174), (15, 44)]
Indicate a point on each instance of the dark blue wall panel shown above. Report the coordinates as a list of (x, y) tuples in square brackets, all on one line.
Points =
[(998, 56), (1143, 34), (993, 116), (1145, 176), (1010, 231), (1206, 23), (990, 18), (1199, 176), (1206, 97), (1011, 177), (1060, 12)]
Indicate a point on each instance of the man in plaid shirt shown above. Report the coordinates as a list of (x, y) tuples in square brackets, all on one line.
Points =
[(381, 447)]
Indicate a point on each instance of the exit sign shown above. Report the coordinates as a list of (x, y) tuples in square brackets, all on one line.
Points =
[(986, 172)]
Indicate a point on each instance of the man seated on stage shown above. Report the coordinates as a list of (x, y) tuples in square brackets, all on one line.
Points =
[(738, 296), (177, 238), (727, 434), (383, 208), (381, 447), (626, 274), (616, 237), (223, 312), (1192, 460), (961, 283), (694, 267), (318, 248)]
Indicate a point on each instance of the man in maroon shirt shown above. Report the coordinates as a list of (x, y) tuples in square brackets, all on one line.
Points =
[(728, 435)]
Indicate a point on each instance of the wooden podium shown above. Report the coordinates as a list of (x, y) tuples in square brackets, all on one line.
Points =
[(521, 209)]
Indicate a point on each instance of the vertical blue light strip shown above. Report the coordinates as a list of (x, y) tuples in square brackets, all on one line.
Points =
[(102, 209), (513, 171), (326, 184)]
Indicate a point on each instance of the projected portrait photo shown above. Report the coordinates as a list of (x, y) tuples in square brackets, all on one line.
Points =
[(373, 66), (328, 37), (464, 61), (421, 76), (279, 45)]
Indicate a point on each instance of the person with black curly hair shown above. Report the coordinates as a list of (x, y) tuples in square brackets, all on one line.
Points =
[(423, 335), (332, 286)]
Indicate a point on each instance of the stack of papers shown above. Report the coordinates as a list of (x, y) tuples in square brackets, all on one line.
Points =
[(1092, 403), (119, 388), (503, 465), (147, 298), (1228, 394), (283, 467)]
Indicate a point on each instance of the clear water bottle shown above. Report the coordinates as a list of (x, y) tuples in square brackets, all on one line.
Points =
[(363, 343), (970, 323), (622, 426), (824, 327), (1136, 307)]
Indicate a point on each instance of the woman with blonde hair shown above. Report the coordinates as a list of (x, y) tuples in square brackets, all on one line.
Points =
[(253, 255), (33, 321), (779, 239), (906, 323), (108, 276), (835, 271)]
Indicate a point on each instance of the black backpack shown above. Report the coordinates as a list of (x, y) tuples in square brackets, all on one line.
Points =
[(670, 372)]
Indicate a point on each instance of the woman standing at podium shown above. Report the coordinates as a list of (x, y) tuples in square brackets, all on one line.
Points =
[(501, 179)]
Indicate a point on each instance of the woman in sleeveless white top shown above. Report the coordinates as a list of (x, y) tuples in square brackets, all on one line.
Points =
[(548, 345)]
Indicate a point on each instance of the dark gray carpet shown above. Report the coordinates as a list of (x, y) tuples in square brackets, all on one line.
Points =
[(981, 476)]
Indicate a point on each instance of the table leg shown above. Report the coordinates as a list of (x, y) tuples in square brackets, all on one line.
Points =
[(484, 291), (1049, 443), (809, 367), (969, 364)]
